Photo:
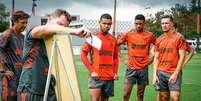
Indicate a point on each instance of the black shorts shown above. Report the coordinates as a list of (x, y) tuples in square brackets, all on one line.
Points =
[(165, 85), (139, 77), (106, 86), (27, 96)]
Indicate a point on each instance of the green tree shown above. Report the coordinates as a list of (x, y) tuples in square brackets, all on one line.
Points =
[(154, 26), (196, 10), (4, 25), (3, 14), (183, 16)]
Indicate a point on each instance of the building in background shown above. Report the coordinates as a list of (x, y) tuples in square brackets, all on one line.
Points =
[(92, 25)]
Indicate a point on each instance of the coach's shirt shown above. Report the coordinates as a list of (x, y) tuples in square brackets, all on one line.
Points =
[(35, 68), (11, 48)]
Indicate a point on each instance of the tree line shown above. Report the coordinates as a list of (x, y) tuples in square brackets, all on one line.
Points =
[(185, 17)]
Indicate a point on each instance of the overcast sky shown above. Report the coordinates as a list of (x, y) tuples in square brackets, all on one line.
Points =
[(92, 9)]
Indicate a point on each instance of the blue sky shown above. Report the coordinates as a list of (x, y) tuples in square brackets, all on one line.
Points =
[(92, 9)]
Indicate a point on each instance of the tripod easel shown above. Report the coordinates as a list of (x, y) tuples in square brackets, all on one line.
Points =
[(62, 66)]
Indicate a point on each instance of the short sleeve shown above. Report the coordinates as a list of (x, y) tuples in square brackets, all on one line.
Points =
[(181, 43), (153, 39), (156, 46)]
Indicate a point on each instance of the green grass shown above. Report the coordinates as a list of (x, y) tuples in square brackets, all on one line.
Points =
[(191, 84)]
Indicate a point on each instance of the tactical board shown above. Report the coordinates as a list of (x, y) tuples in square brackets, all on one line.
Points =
[(63, 67)]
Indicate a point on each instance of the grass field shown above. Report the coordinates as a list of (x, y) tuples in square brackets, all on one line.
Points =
[(191, 84)]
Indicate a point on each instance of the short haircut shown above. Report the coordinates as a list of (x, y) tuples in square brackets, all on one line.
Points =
[(175, 25), (168, 16), (139, 17), (59, 12), (19, 15), (106, 16)]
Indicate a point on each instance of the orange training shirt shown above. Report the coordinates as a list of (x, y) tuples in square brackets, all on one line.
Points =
[(138, 48), (168, 47), (105, 60)]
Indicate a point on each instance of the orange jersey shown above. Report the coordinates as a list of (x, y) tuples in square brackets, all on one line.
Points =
[(168, 47), (105, 60), (138, 48)]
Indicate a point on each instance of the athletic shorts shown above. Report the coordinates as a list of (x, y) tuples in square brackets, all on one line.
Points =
[(139, 77), (8, 88), (106, 86), (164, 85), (27, 96)]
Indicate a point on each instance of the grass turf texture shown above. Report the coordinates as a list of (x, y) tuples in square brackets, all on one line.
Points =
[(191, 84)]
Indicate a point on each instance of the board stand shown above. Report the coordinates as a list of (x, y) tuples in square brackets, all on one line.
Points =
[(56, 48)]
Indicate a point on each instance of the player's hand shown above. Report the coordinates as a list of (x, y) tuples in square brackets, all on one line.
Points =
[(127, 63), (116, 77), (9, 74), (94, 75), (83, 32), (119, 38), (155, 80), (173, 78)]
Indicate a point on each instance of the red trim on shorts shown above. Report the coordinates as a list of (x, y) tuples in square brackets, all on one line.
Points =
[(4, 88)]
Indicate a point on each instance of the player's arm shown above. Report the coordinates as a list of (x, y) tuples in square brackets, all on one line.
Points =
[(85, 50), (180, 62), (4, 37), (84, 53), (155, 62), (151, 57), (121, 39), (4, 71), (116, 62), (121, 56), (173, 77), (189, 56), (153, 40), (182, 48), (48, 30)]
